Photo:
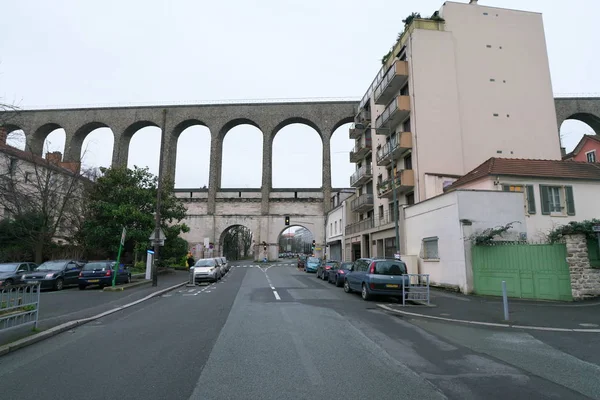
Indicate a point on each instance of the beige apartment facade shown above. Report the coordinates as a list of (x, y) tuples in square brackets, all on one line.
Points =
[(469, 83)]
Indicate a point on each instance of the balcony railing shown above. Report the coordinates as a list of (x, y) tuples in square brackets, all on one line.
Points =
[(394, 148), (394, 113), (361, 176), (403, 181), (359, 226), (361, 150), (363, 203), (355, 133), (392, 82)]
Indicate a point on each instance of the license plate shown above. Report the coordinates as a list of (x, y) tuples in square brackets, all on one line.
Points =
[(391, 286), (93, 280)]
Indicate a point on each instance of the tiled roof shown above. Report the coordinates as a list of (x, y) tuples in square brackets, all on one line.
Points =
[(531, 168), (32, 158)]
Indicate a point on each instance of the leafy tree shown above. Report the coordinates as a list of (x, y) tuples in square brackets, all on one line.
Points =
[(124, 197), (237, 242)]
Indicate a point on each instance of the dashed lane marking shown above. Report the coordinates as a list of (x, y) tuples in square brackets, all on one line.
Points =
[(276, 295)]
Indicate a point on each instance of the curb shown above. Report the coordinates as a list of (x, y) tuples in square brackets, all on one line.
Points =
[(120, 288), (489, 324), (19, 344)]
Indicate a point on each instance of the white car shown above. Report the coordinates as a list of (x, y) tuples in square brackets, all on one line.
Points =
[(206, 270)]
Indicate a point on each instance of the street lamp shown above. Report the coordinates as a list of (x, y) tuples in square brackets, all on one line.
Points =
[(394, 188)]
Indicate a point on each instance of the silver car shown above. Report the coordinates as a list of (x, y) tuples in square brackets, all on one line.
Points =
[(225, 263), (206, 270)]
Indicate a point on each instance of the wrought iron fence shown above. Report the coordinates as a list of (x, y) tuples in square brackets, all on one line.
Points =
[(19, 305)]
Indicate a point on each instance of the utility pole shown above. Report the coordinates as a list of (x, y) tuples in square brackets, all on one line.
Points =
[(158, 200)]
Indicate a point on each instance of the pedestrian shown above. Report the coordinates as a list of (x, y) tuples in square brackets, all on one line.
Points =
[(190, 260)]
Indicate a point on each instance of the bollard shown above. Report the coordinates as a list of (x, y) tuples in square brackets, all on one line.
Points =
[(505, 300)]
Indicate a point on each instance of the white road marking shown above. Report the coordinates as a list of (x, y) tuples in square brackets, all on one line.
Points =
[(272, 287), (191, 290), (276, 295)]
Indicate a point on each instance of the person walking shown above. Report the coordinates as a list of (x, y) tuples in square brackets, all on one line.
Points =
[(190, 260)]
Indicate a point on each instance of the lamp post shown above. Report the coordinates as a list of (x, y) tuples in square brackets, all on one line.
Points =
[(158, 201), (394, 188)]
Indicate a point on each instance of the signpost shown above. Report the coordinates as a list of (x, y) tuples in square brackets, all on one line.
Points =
[(114, 280), (157, 238)]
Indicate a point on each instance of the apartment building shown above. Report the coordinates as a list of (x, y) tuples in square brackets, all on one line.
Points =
[(468, 83), (334, 224)]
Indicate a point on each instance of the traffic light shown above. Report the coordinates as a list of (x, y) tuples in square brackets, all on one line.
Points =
[(265, 245), (313, 246), (287, 220)]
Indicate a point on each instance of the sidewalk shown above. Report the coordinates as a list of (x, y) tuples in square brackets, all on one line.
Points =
[(549, 314), (71, 304)]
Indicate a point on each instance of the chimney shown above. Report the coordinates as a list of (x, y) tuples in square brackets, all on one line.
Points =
[(54, 158), (3, 135), (473, 2), (72, 166)]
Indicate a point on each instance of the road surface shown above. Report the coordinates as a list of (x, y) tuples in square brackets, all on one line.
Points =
[(273, 332)]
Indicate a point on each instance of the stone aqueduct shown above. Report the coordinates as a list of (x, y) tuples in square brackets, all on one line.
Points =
[(212, 211)]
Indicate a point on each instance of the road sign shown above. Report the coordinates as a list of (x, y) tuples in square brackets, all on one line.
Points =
[(161, 235), (123, 236), (160, 242), (596, 228)]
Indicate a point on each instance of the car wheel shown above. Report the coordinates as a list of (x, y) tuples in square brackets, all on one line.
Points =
[(365, 293), (59, 284), (8, 282), (82, 287), (347, 287)]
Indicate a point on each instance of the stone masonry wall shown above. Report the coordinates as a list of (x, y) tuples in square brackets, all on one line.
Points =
[(585, 280)]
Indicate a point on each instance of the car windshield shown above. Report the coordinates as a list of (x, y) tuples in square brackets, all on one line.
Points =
[(8, 267), (313, 260), (334, 264), (205, 263), (390, 268), (51, 266), (98, 265), (346, 265)]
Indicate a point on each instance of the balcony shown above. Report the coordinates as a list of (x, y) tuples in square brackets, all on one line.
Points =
[(394, 148), (404, 181), (359, 226), (363, 117), (361, 176), (355, 132), (394, 113), (391, 83), (361, 150), (363, 203)]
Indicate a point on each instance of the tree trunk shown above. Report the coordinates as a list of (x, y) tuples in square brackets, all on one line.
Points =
[(39, 251)]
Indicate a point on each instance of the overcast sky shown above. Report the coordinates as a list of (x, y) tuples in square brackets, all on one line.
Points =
[(76, 53)]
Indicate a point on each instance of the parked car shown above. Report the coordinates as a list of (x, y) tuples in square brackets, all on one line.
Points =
[(12, 273), (312, 264), (56, 274), (323, 270), (206, 270), (338, 273), (222, 267), (301, 262), (373, 277), (101, 273), (225, 263)]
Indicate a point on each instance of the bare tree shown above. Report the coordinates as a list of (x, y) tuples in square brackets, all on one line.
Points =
[(43, 197)]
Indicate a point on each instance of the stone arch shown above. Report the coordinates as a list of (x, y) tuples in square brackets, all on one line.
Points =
[(584, 109), (297, 246), (12, 130), (341, 145), (234, 147), (245, 248), (223, 224), (184, 147), (35, 141), (150, 159), (296, 120), (590, 119), (75, 147), (343, 121), (235, 122)]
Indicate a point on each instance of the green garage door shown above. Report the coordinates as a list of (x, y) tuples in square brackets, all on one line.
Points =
[(533, 271)]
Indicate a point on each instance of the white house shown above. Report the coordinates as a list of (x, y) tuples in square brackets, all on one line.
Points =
[(437, 231), (334, 226), (553, 192)]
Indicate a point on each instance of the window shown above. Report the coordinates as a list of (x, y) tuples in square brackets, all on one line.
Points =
[(529, 195), (557, 200), (335, 225), (430, 248), (408, 162), (410, 199), (330, 229), (340, 225), (591, 156), (380, 212)]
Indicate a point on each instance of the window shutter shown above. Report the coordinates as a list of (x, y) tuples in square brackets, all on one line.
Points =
[(545, 199), (570, 200), (530, 199), (505, 188)]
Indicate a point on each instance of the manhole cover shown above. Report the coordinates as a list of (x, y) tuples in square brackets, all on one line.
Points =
[(589, 325)]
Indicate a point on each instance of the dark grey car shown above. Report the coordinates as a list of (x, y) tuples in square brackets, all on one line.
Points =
[(12, 273)]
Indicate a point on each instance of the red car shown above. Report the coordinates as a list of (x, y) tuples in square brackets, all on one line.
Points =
[(323, 270), (301, 262)]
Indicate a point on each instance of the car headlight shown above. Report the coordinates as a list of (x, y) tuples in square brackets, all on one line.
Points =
[(49, 276)]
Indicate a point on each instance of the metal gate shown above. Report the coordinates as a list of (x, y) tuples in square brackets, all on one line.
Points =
[(534, 271), (19, 305)]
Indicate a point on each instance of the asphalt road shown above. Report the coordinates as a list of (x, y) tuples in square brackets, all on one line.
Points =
[(278, 333)]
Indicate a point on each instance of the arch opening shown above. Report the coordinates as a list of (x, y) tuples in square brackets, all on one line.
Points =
[(144, 148), (295, 240), (297, 158), (96, 148), (573, 129), (192, 164), (15, 137), (236, 242), (242, 160), (54, 142), (341, 167)]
